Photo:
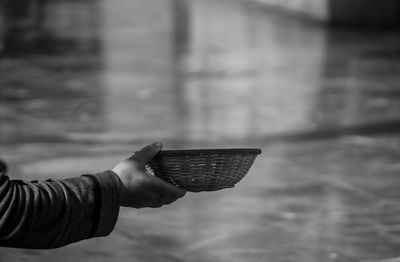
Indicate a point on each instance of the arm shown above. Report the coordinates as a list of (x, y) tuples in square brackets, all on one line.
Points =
[(54, 213)]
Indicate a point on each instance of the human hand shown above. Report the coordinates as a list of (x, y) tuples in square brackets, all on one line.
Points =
[(141, 189)]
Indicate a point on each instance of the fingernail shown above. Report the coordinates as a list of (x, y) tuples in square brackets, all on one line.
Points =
[(158, 144)]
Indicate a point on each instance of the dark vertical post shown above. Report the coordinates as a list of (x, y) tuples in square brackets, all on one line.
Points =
[(181, 25), (365, 13), (180, 47)]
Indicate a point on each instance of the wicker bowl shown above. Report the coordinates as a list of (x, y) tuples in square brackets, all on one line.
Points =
[(203, 169)]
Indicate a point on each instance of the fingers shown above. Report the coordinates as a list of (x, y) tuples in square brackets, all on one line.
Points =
[(147, 153), (165, 189), (160, 193), (158, 201)]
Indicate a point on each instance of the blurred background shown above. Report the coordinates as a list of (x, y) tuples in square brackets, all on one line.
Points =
[(314, 83)]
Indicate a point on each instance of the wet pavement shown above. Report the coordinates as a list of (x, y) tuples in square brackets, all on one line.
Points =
[(323, 105)]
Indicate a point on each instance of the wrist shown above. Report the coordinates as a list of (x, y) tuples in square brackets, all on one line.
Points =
[(120, 187)]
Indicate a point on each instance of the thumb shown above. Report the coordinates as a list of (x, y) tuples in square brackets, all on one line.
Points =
[(147, 153)]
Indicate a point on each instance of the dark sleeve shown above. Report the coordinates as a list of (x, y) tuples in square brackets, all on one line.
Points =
[(55, 213)]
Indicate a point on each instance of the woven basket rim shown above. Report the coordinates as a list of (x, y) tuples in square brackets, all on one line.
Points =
[(232, 151)]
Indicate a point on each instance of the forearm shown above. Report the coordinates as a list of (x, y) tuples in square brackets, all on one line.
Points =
[(53, 213)]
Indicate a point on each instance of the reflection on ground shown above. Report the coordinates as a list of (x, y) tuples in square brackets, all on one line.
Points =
[(323, 106)]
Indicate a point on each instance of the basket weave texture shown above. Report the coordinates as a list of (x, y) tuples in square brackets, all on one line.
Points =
[(203, 169)]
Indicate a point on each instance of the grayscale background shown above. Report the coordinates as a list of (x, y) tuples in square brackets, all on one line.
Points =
[(314, 83)]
